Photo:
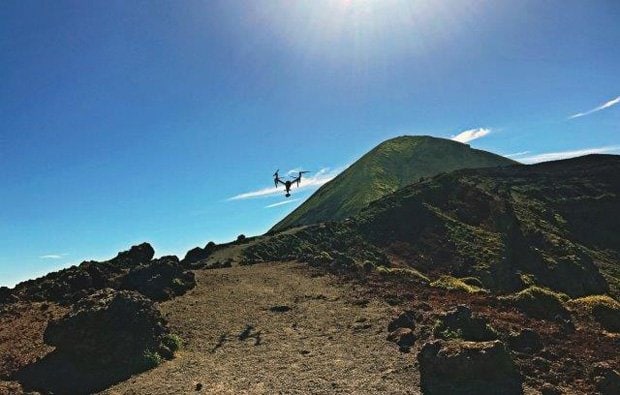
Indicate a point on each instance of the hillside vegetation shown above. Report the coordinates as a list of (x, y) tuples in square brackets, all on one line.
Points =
[(390, 166)]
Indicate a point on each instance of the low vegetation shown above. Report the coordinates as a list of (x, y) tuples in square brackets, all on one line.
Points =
[(539, 302), (455, 284)]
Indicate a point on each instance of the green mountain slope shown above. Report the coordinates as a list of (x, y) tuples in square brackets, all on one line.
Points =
[(388, 167), (553, 224)]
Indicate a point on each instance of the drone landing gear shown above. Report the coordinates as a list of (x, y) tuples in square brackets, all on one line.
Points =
[(287, 195)]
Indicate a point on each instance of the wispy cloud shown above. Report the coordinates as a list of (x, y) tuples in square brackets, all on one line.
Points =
[(603, 106), (471, 134), (283, 203), (570, 154), (53, 256), (310, 182), (516, 154)]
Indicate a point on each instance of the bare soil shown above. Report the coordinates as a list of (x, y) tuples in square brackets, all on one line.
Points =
[(275, 328)]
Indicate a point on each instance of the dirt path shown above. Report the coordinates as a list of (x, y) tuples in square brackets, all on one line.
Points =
[(236, 343)]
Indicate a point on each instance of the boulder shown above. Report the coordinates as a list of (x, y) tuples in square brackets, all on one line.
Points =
[(136, 255), (463, 367), (198, 254), (7, 296), (460, 322), (526, 341), (405, 319), (608, 317), (403, 337), (110, 330), (161, 279), (606, 379)]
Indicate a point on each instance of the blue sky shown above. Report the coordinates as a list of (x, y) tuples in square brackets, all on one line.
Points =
[(123, 122)]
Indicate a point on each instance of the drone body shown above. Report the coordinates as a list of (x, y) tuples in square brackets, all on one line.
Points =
[(288, 183)]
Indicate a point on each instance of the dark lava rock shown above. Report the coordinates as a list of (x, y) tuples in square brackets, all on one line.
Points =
[(161, 279), (460, 322), (7, 296), (608, 317), (403, 337), (606, 379), (461, 367), (110, 329), (198, 254), (526, 341), (136, 255), (406, 319), (279, 309)]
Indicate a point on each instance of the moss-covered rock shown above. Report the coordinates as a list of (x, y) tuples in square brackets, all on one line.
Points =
[(539, 303), (461, 323), (460, 367), (604, 309)]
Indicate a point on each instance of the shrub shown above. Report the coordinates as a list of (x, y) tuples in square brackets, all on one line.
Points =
[(455, 284), (173, 342), (150, 360), (539, 302), (241, 238)]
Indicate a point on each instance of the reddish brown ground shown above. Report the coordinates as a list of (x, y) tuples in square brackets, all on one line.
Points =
[(333, 338), (21, 338), (567, 358)]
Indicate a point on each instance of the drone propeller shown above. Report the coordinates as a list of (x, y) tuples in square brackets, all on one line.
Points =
[(276, 173)]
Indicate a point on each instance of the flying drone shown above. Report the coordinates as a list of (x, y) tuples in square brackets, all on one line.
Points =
[(287, 184)]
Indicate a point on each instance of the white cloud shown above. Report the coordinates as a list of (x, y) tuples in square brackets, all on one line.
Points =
[(569, 154), (603, 106), (283, 203), (53, 256), (310, 182), (517, 154), (471, 134)]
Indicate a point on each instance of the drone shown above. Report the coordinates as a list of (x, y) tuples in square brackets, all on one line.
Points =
[(287, 184)]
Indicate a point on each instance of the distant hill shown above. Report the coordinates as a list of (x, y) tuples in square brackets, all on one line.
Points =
[(391, 165), (553, 224)]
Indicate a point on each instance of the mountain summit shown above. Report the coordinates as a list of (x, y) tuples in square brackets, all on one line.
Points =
[(391, 165)]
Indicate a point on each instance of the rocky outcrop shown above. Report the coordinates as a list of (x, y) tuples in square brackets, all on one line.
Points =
[(6, 295), (110, 330), (461, 323), (161, 279), (136, 255), (462, 367), (195, 255), (134, 269)]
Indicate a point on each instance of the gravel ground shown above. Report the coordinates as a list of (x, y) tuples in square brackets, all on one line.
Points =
[(274, 328)]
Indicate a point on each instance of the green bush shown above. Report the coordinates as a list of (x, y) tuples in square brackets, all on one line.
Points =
[(150, 360), (173, 342)]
